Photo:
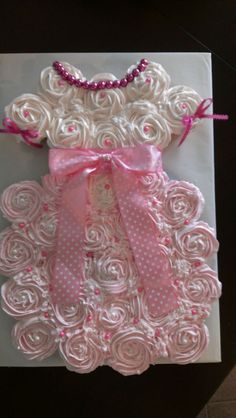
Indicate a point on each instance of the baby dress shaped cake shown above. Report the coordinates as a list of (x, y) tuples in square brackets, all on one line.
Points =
[(106, 259)]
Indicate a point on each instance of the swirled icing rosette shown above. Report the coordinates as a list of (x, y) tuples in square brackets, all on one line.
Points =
[(150, 85), (16, 252), (70, 315), (180, 101), (72, 131), (43, 229), (202, 287), (111, 134), (115, 314), (82, 352), (30, 111), (97, 235), (186, 341), (21, 201), (182, 204), (130, 352), (146, 125), (196, 241), (106, 103), (20, 300), (34, 338), (55, 90)]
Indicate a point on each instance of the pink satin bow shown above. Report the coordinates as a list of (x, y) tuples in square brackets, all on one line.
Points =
[(188, 120), (126, 165), (27, 134)]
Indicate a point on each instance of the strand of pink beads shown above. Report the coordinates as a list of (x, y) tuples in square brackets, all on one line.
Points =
[(102, 84)]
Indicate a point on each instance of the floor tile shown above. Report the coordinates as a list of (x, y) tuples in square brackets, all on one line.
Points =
[(227, 390), (225, 409)]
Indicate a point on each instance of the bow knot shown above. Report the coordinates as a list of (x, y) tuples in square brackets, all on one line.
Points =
[(27, 134), (188, 120)]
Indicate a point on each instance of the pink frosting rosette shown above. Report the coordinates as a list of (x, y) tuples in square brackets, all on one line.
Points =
[(153, 183), (21, 201), (16, 252), (196, 241), (82, 352), (201, 287), (130, 352), (186, 341), (43, 229), (182, 203), (114, 314), (70, 315), (20, 300), (34, 338)]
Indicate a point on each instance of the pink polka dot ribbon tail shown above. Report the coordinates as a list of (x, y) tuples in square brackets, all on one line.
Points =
[(126, 166)]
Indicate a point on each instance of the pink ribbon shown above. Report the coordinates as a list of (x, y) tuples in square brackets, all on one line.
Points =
[(188, 120), (125, 165), (27, 134)]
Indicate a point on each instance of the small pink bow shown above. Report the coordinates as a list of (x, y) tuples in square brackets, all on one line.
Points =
[(125, 165), (188, 120), (27, 134)]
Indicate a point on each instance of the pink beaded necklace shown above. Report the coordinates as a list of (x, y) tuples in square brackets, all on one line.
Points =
[(102, 84)]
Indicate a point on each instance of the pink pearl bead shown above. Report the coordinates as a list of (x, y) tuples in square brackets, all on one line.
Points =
[(146, 128), (97, 291), (140, 289), (123, 82), (116, 84), (89, 317), (93, 85), (71, 79), (46, 314), (107, 336), (101, 85), (29, 269), (197, 263), (89, 254), (135, 72), (141, 67), (144, 61), (183, 105), (71, 128), (64, 74), (108, 142), (157, 333), (85, 84), (21, 225), (78, 82), (45, 207), (109, 84), (186, 222), (167, 240), (130, 77), (177, 282), (194, 311), (148, 80), (26, 113), (107, 186), (135, 321), (55, 64), (62, 333)]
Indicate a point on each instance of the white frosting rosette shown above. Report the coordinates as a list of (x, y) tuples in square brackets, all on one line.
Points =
[(179, 101), (82, 352), (97, 235), (106, 103), (21, 301), (182, 203), (196, 241), (202, 287), (130, 352), (16, 252), (111, 134), (43, 229), (56, 90), (30, 111), (186, 341), (150, 84), (74, 130), (21, 201), (34, 338), (146, 125)]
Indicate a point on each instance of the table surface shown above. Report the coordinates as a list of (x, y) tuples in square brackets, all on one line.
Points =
[(166, 391)]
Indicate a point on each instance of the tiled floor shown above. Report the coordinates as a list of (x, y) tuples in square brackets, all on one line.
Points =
[(223, 402)]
